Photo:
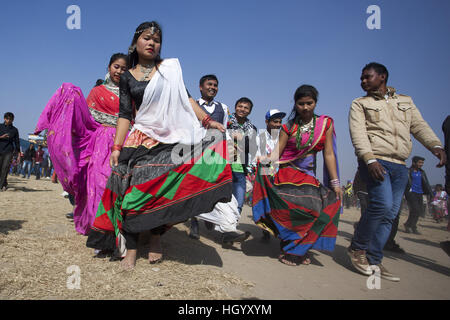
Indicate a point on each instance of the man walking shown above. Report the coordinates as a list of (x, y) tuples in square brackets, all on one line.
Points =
[(225, 216), (380, 127), (417, 186), (209, 86), (9, 147), (38, 164)]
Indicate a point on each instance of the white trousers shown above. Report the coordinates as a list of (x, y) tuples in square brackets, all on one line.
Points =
[(225, 216)]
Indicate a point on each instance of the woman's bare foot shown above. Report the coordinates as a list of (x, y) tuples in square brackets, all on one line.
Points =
[(129, 262), (155, 253)]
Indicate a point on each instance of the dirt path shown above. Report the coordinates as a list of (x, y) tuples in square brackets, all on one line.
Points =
[(38, 244)]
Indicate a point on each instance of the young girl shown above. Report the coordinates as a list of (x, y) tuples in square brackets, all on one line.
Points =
[(148, 189), (80, 136), (439, 204), (292, 204)]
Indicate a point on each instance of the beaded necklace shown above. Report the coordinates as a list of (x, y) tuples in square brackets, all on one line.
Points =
[(307, 129)]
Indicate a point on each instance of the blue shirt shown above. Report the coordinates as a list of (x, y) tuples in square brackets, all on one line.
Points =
[(416, 182)]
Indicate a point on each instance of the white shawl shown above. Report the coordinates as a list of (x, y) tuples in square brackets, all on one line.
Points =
[(166, 113)]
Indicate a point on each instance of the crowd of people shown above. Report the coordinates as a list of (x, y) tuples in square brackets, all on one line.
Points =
[(140, 154)]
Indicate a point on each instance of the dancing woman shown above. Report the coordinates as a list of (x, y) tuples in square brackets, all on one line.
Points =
[(292, 204), (148, 188), (80, 134)]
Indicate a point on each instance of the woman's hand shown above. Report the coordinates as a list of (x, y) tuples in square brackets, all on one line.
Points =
[(114, 158), (216, 125), (339, 193)]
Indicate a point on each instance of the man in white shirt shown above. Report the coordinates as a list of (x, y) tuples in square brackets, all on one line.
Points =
[(225, 216)]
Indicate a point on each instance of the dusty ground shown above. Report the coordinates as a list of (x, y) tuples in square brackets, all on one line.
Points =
[(39, 246)]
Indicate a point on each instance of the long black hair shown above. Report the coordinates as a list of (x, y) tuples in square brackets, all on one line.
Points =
[(133, 57), (301, 92)]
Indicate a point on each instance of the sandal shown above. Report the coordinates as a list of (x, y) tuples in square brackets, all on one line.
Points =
[(292, 260), (305, 260), (288, 259)]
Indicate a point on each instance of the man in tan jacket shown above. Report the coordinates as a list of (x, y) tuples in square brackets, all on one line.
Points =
[(381, 124)]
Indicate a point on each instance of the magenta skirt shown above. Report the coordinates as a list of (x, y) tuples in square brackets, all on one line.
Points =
[(79, 148)]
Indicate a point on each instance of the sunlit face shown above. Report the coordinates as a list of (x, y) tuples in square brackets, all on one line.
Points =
[(148, 45), (116, 69), (305, 107), (209, 89), (274, 124), (371, 81), (243, 109)]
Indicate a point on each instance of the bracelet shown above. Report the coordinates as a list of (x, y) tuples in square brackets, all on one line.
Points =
[(334, 183), (206, 121), (117, 147)]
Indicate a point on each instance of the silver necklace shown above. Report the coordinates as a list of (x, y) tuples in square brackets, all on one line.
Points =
[(146, 69), (306, 127)]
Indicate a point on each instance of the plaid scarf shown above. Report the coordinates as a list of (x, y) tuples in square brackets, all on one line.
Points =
[(248, 128)]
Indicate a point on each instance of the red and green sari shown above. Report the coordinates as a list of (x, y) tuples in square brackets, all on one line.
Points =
[(292, 204)]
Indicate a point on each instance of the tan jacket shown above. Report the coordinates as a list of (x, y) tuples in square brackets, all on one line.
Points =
[(381, 128)]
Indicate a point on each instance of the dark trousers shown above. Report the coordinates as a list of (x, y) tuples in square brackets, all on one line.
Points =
[(415, 205), (5, 162)]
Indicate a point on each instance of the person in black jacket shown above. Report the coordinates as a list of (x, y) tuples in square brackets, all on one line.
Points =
[(28, 160), (417, 186), (9, 147)]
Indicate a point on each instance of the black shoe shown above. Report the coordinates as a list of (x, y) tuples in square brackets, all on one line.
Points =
[(394, 248), (231, 237), (209, 225), (415, 231), (445, 245), (69, 215), (266, 236), (407, 229), (194, 233)]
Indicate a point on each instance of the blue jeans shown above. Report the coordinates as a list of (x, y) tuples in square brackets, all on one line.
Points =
[(27, 166), (239, 188), (385, 198)]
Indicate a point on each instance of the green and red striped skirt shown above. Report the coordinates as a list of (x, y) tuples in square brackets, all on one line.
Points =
[(157, 185)]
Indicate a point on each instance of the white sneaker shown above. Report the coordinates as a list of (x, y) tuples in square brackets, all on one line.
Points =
[(65, 194)]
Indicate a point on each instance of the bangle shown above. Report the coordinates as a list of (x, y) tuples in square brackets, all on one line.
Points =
[(206, 121), (117, 147), (334, 183)]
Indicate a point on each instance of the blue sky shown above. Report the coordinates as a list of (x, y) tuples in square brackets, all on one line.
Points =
[(260, 49)]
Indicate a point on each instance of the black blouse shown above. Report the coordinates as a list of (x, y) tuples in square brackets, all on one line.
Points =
[(131, 90)]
